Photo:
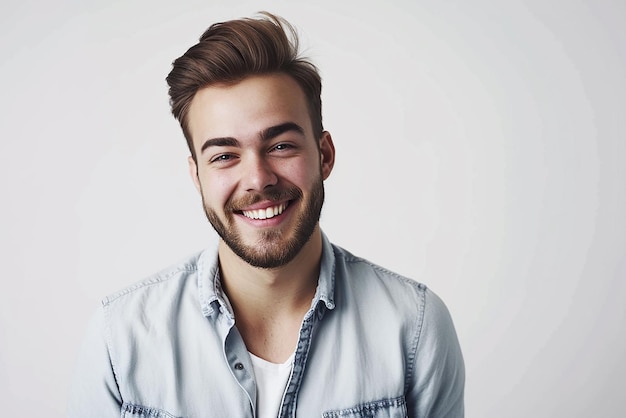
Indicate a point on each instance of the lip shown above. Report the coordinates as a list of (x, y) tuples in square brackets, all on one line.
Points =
[(264, 205), (267, 222)]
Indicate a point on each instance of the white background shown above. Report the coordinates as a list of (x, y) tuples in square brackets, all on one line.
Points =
[(480, 149)]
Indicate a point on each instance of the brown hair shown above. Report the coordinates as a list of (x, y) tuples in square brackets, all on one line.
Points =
[(230, 51)]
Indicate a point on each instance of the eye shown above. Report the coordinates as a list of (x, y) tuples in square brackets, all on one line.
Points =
[(282, 147), (222, 158)]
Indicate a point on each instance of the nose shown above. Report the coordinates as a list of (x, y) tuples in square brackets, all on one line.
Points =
[(258, 174)]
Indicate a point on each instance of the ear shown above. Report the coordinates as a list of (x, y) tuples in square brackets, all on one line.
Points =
[(327, 154), (193, 172)]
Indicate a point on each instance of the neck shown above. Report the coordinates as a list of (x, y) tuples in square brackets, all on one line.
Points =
[(282, 288), (269, 304)]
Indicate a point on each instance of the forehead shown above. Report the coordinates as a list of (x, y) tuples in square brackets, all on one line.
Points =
[(245, 108)]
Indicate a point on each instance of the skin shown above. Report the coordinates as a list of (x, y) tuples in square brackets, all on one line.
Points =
[(256, 149)]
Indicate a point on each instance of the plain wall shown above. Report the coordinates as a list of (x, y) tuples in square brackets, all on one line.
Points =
[(481, 150)]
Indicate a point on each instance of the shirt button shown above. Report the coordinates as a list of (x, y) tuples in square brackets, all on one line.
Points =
[(238, 366)]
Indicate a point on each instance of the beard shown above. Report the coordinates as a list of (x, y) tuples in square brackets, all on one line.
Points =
[(273, 249)]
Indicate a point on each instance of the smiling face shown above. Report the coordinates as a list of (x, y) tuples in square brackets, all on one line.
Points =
[(259, 167)]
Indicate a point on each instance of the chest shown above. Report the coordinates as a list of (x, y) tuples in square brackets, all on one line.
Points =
[(338, 366)]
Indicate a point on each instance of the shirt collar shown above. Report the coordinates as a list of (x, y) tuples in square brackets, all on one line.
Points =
[(326, 284)]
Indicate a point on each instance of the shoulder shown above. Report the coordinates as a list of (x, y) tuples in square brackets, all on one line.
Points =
[(147, 313), (156, 288), (373, 284), (361, 272)]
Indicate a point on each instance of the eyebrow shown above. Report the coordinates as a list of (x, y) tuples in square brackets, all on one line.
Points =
[(265, 135), (274, 131), (226, 141)]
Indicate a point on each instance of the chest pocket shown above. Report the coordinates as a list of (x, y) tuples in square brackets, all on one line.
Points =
[(385, 408), (137, 411)]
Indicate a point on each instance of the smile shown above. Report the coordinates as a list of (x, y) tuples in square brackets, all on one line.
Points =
[(266, 213)]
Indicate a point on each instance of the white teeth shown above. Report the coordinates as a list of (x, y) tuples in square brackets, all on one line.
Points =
[(265, 213)]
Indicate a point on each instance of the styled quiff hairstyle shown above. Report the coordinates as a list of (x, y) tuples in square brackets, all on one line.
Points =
[(230, 51)]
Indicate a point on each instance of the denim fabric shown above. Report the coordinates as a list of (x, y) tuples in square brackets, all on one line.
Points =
[(373, 344)]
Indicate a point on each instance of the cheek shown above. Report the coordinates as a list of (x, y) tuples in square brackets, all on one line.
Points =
[(216, 189), (298, 173), (308, 180)]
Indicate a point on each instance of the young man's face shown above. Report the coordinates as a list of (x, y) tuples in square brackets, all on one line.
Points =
[(259, 168)]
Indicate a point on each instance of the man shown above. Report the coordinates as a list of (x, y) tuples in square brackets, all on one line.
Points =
[(275, 320)]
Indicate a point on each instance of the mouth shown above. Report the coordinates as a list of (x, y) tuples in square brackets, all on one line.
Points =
[(265, 213)]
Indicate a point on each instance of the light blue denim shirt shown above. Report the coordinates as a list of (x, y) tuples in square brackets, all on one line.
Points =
[(373, 344)]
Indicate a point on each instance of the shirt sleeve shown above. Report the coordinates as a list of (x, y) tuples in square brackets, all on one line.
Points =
[(437, 380), (94, 391)]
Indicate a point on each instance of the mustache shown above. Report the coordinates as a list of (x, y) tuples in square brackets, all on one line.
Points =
[(273, 194)]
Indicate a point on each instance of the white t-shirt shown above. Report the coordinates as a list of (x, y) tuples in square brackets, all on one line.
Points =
[(271, 380)]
